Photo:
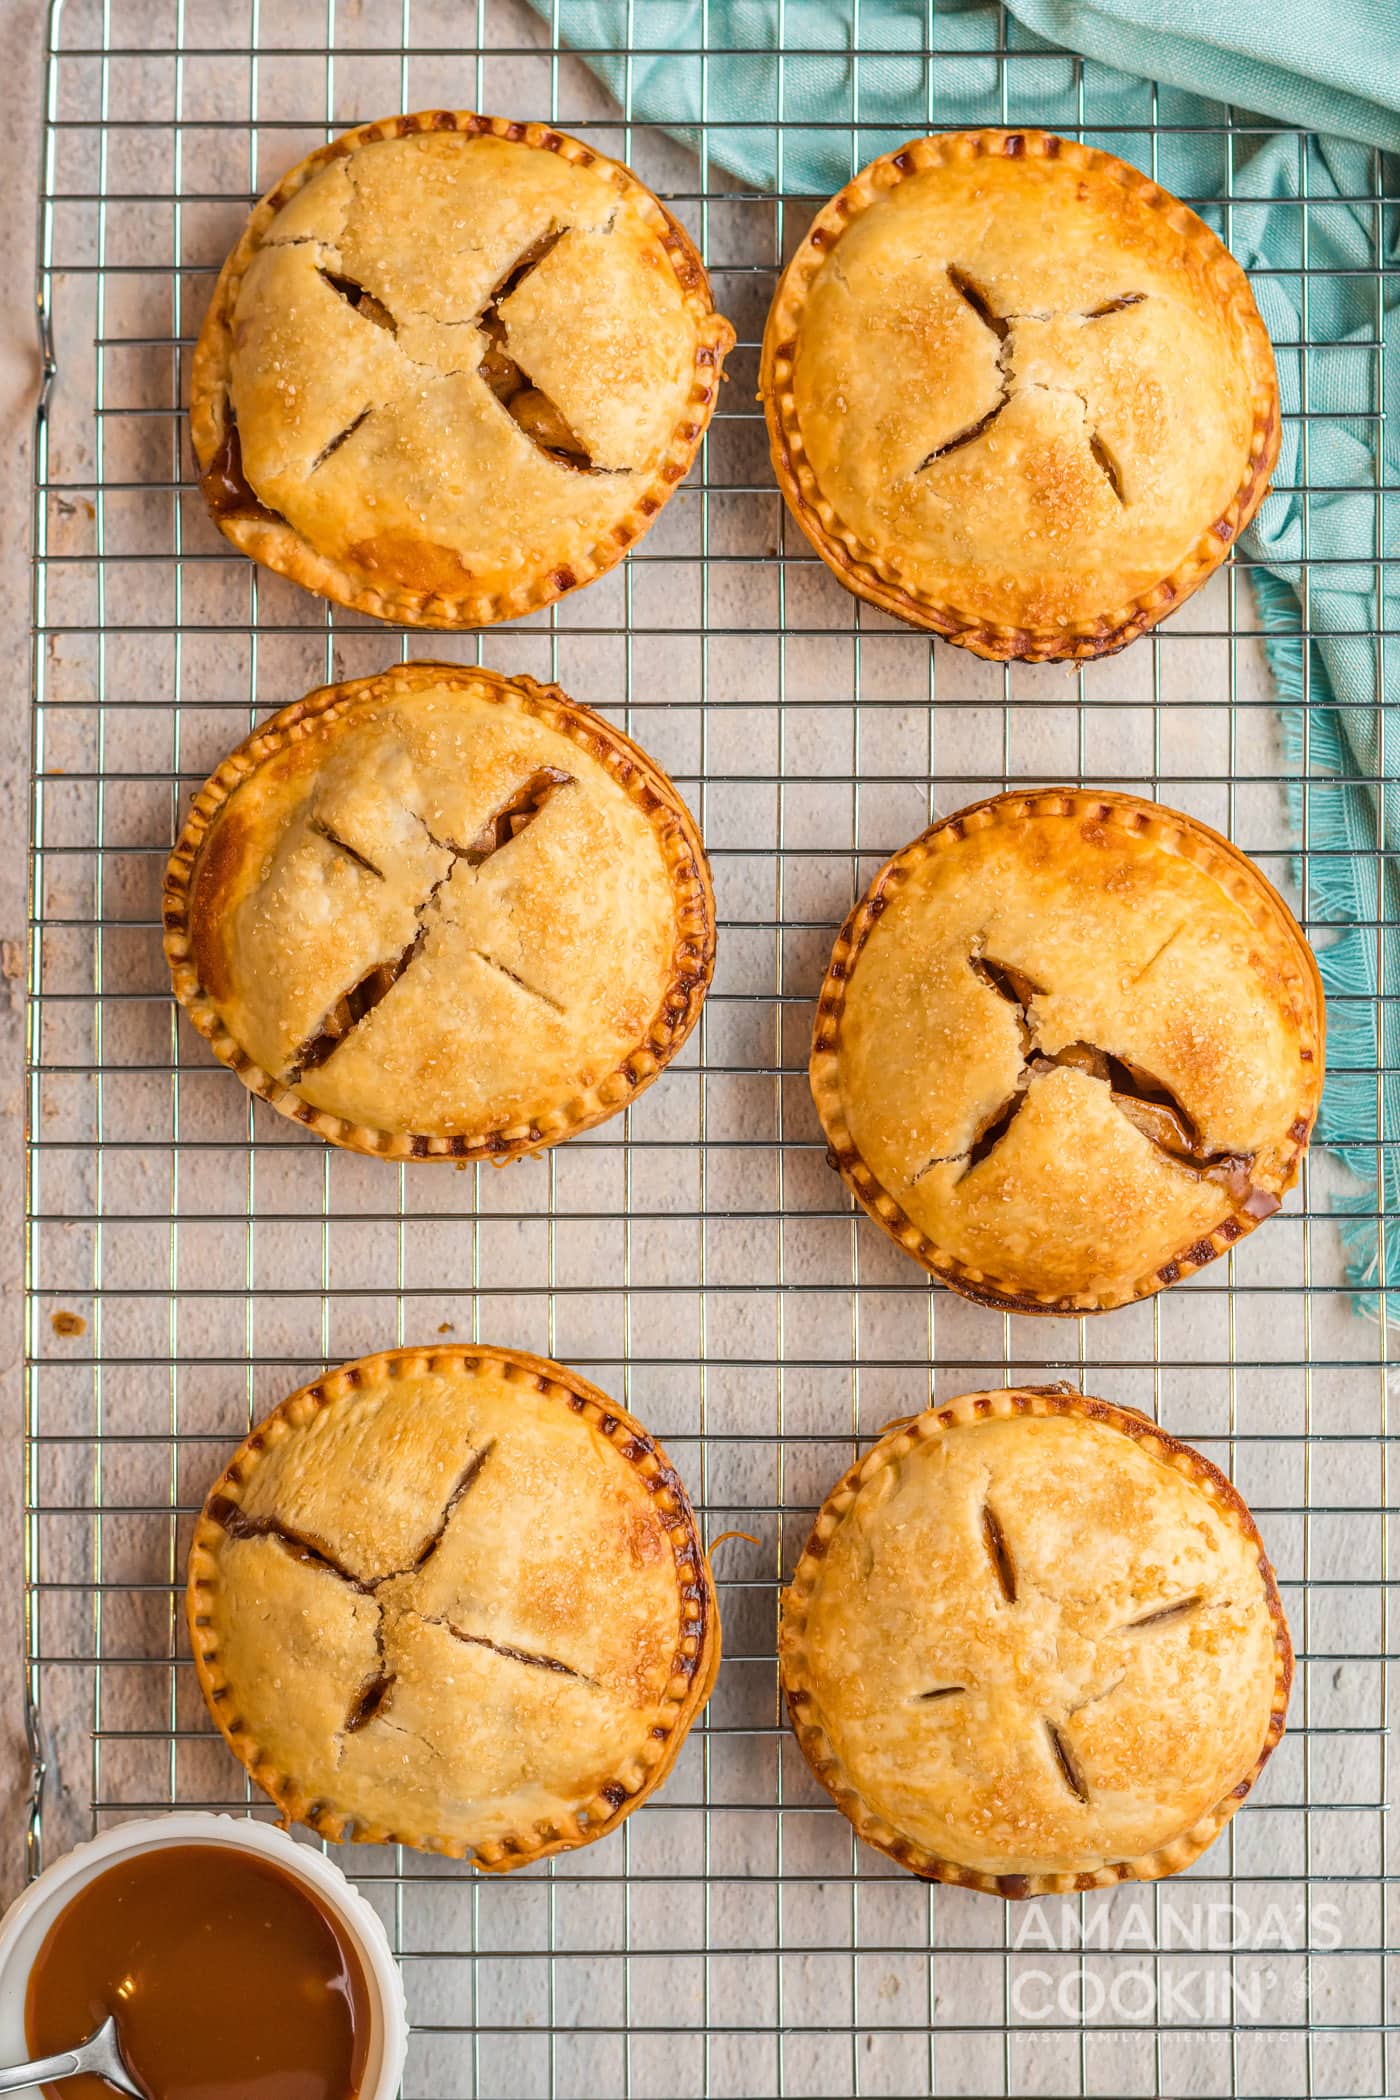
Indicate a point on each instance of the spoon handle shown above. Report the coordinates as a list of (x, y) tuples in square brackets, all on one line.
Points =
[(100, 2056), (41, 2071)]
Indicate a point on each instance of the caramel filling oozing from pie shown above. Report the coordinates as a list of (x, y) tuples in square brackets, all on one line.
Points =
[(365, 304), (225, 485)]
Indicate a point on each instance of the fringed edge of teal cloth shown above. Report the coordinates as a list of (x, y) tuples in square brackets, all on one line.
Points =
[(1337, 886)]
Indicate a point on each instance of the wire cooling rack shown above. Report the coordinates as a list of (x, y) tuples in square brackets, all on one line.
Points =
[(192, 1257)]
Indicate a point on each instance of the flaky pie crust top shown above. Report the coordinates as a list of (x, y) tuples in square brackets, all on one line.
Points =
[(453, 1598), (1069, 1048), (441, 914), (1034, 1645), (1018, 393), (453, 369)]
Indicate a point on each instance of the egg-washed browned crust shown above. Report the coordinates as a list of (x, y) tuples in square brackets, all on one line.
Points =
[(942, 1050), (989, 1586), (327, 347), (653, 915), (1028, 479), (447, 1569)]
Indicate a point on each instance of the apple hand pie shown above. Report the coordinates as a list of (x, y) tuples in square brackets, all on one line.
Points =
[(1034, 1645), (1018, 394), (1069, 1049), (453, 1598), (441, 914), (453, 369)]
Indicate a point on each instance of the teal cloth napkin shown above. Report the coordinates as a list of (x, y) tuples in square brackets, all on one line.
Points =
[(786, 107)]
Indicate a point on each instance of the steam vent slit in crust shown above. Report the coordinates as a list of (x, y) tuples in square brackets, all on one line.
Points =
[(1018, 394), (1069, 1049), (1034, 1645), (453, 1598), (441, 914), (453, 369)]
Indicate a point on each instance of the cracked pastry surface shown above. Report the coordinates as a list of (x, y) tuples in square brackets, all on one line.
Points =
[(453, 1598), (440, 914), (1035, 1645), (1069, 1048), (453, 369), (1018, 394)]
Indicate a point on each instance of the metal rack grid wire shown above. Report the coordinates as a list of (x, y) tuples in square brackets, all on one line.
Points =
[(192, 1258)]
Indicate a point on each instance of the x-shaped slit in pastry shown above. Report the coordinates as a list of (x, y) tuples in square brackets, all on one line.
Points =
[(1148, 1103), (1003, 1569), (517, 393), (374, 1694), (531, 409), (1003, 327), (506, 822), (226, 487)]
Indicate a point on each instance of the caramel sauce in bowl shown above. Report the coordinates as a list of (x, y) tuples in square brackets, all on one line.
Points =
[(237, 1963)]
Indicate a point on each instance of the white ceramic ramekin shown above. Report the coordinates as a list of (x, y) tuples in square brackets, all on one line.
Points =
[(29, 1918)]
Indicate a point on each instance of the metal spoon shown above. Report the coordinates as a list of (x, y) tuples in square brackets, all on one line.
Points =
[(100, 2055)]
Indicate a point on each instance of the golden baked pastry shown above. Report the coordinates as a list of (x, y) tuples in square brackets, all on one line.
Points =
[(1018, 394), (441, 914), (453, 369), (1034, 1645), (1069, 1048), (453, 1598)]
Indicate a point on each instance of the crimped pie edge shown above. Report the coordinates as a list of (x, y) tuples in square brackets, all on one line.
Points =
[(813, 1741), (695, 1665), (638, 775), (1170, 829), (876, 578), (280, 547)]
